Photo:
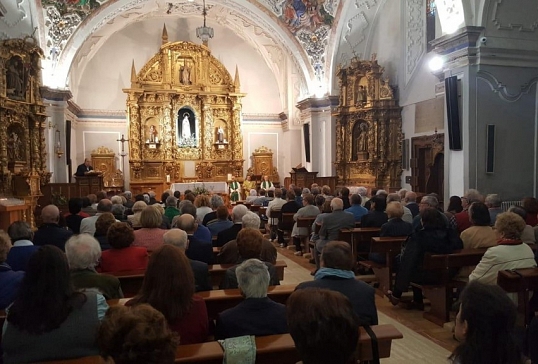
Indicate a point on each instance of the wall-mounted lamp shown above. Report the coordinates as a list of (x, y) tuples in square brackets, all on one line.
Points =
[(58, 149)]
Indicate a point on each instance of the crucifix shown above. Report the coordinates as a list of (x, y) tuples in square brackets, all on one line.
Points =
[(123, 154)]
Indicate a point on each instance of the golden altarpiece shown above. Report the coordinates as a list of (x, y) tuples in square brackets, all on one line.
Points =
[(183, 107), (368, 128), (22, 123)]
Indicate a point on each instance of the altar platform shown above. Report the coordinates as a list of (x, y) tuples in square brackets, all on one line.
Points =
[(212, 187)]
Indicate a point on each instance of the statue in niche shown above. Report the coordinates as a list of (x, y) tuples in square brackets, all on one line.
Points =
[(153, 134), (14, 148), (15, 78), (362, 139), (185, 75), (185, 127), (220, 134), (362, 94)]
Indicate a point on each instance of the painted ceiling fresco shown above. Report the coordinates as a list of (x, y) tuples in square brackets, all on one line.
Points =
[(309, 21)]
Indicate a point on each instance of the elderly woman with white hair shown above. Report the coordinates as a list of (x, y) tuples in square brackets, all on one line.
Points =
[(257, 314), (253, 195), (83, 253), (137, 210)]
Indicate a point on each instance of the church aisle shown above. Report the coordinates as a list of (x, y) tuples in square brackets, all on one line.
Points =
[(293, 273), (423, 341)]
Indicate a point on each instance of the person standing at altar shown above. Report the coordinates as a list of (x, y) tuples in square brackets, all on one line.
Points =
[(84, 168), (248, 185), (235, 189), (266, 184)]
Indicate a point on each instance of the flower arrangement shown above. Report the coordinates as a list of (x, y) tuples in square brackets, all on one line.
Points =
[(200, 190)]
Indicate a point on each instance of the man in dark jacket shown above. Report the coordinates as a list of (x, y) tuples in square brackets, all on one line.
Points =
[(257, 314), (432, 236), (50, 233), (336, 273)]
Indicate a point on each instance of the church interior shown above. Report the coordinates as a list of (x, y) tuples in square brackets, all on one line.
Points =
[(429, 96)]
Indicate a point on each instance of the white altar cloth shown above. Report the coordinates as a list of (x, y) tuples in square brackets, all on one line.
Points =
[(216, 187)]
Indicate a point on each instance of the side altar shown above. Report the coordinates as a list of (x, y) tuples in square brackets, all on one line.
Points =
[(184, 114), (368, 128)]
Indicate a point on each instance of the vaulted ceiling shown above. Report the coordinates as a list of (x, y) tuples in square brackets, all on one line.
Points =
[(73, 30)]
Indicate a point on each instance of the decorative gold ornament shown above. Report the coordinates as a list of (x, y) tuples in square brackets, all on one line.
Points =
[(368, 127), (179, 105)]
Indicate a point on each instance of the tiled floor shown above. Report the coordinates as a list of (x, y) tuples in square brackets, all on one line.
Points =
[(423, 342)]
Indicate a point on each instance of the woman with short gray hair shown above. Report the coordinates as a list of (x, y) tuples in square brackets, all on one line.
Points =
[(257, 315), (83, 253)]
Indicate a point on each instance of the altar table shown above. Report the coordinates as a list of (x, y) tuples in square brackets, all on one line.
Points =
[(215, 187)]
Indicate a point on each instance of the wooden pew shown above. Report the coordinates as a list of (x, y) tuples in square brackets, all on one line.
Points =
[(216, 251), (306, 222), (222, 299), (520, 281), (217, 271), (131, 281), (269, 349), (391, 247), (359, 239), (281, 348), (287, 223), (440, 295)]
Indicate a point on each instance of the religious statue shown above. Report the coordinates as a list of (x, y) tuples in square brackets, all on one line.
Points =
[(186, 75), (14, 78), (14, 148), (362, 139), (362, 94), (153, 134), (186, 127), (220, 135), (235, 188)]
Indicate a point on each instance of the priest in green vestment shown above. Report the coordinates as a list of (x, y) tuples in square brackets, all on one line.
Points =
[(234, 190)]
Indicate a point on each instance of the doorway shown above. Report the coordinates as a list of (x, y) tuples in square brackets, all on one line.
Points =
[(428, 164)]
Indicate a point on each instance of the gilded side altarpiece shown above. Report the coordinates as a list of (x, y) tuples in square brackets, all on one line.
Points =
[(182, 106), (23, 154), (368, 127)]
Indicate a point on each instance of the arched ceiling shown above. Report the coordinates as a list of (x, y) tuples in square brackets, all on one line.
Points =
[(73, 30)]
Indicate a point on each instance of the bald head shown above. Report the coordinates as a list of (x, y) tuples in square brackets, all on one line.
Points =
[(50, 214), (105, 205), (410, 197), (337, 204), (176, 237), (187, 223)]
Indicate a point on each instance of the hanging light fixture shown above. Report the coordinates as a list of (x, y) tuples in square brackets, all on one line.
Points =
[(205, 32)]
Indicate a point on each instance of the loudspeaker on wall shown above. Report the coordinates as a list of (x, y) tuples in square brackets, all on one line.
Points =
[(452, 113), (490, 148)]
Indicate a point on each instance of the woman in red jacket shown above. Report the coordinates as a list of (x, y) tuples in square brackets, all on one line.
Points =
[(122, 256)]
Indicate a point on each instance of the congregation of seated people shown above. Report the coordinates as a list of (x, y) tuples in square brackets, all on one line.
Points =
[(58, 279)]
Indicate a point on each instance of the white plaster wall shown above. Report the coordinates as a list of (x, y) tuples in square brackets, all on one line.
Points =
[(109, 70), (91, 135)]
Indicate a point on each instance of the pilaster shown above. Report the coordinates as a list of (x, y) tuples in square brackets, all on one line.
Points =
[(316, 113), (56, 101)]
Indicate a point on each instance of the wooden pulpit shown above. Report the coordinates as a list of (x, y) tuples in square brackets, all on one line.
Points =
[(300, 177), (91, 183), (10, 214)]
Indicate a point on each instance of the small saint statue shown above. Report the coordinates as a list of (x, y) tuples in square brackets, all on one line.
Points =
[(362, 139), (186, 75), (220, 135), (152, 134)]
